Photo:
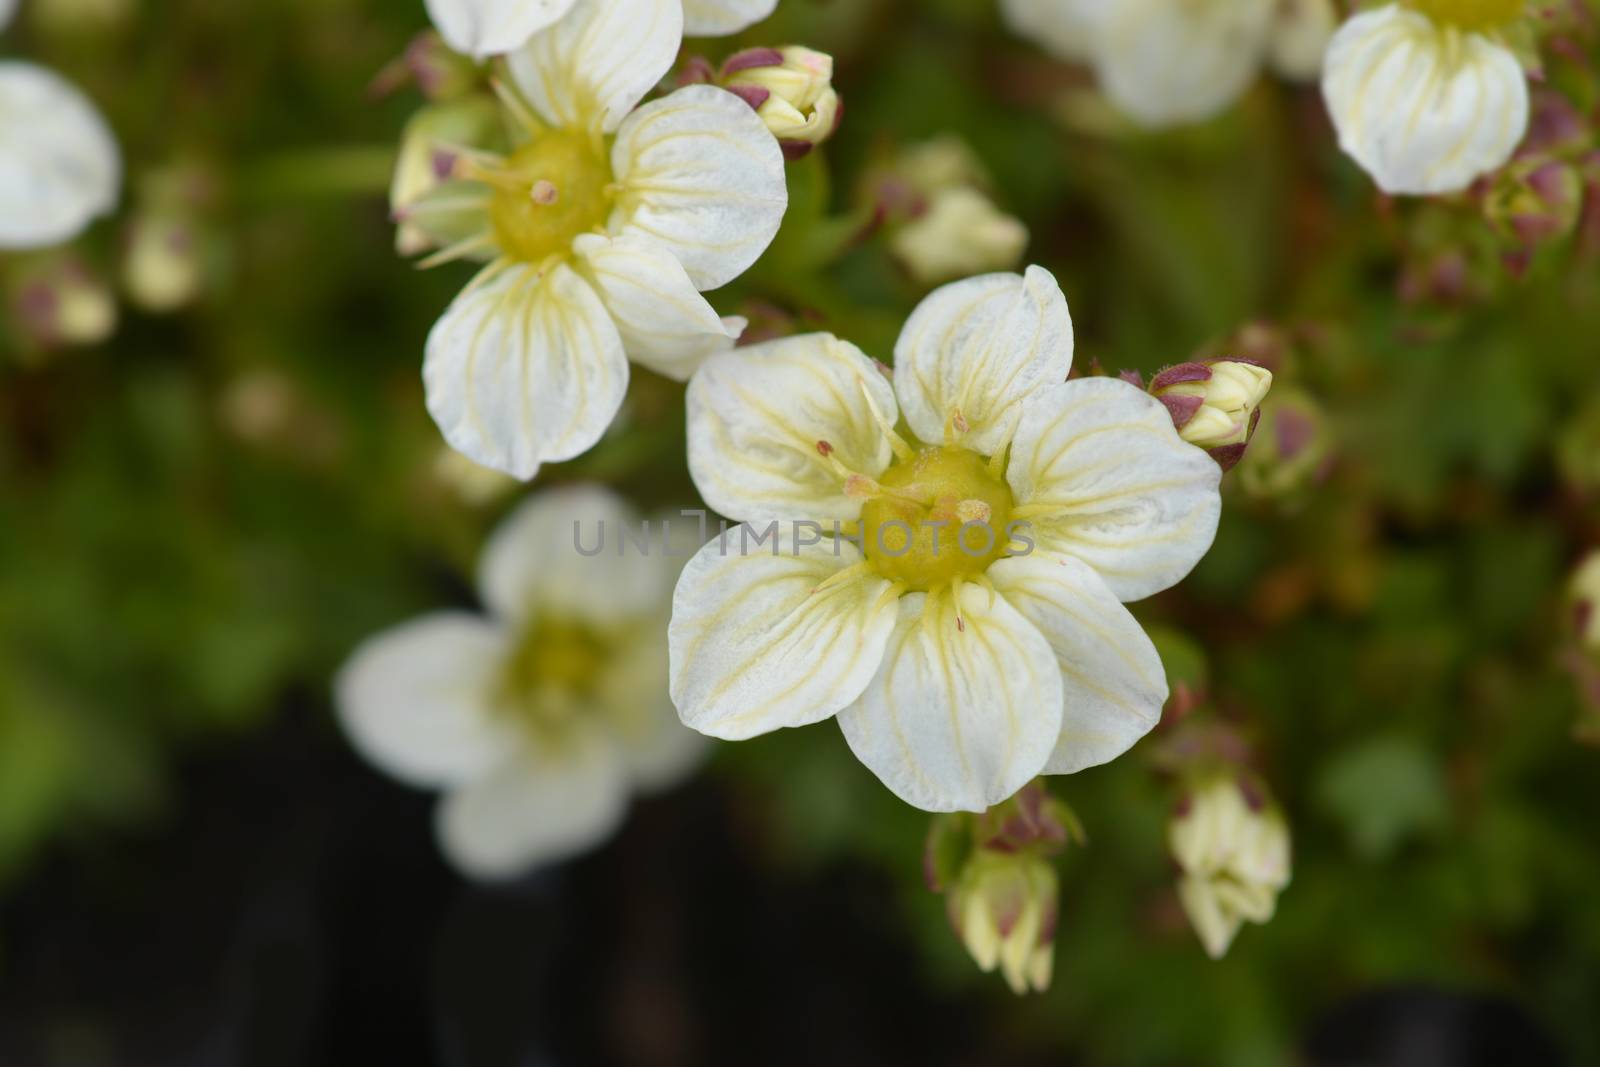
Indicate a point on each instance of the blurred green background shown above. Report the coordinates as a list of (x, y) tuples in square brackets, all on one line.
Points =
[(200, 517)]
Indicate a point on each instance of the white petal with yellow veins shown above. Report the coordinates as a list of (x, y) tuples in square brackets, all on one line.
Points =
[(525, 369), (1104, 477), (981, 347), (1113, 680), (761, 641), (760, 419), (595, 65), (1424, 109), (701, 175), (665, 323), (960, 716)]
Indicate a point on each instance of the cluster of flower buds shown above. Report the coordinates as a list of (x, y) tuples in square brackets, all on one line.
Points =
[(1000, 886), (791, 88), (59, 300), (1215, 404), (1231, 845), (943, 225)]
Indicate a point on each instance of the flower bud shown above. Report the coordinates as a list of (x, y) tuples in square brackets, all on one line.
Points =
[(1535, 201), (62, 302), (429, 209), (1585, 591), (1215, 405), (960, 233), (791, 89), (161, 267), (1292, 451), (1231, 844), (1001, 888)]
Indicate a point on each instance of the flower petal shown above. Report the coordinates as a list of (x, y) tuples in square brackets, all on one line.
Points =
[(1064, 28), (1424, 109), (573, 552), (959, 717), (700, 174), (665, 323), (1116, 486), (414, 700), (757, 416), (658, 749), (982, 346), (538, 807), (718, 18), (1165, 63), (761, 639), (8, 11), (1112, 676), (59, 164), (482, 28), (595, 65), (525, 369)]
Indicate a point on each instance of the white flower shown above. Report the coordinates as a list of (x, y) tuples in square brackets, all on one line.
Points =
[(957, 673), (602, 227), (1425, 106), (485, 28), (718, 18), (538, 719), (59, 165), (1166, 62), (960, 233), (1232, 845)]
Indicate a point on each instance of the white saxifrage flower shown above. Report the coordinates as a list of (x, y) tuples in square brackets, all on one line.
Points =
[(959, 664), (484, 28), (1232, 845), (1167, 62), (602, 226), (1426, 96), (540, 718), (59, 164)]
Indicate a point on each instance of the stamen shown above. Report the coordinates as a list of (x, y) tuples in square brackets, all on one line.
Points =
[(902, 451), (544, 192), (824, 449), (519, 109), (463, 249), (491, 174), (955, 427)]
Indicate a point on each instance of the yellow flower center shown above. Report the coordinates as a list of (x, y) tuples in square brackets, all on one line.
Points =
[(937, 517), (549, 191), (1472, 14), (555, 672)]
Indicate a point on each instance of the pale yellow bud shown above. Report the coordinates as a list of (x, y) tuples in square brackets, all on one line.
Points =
[(161, 269), (791, 89), (1214, 405), (961, 233), (1232, 845), (1005, 908)]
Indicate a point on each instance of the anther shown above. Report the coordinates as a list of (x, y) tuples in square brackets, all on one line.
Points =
[(824, 449), (973, 511), (545, 192)]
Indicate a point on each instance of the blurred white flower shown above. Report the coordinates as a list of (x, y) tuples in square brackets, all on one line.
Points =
[(960, 233), (1232, 845), (601, 227), (960, 662), (485, 28), (1425, 105), (59, 164), (8, 11), (1167, 62), (539, 719)]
